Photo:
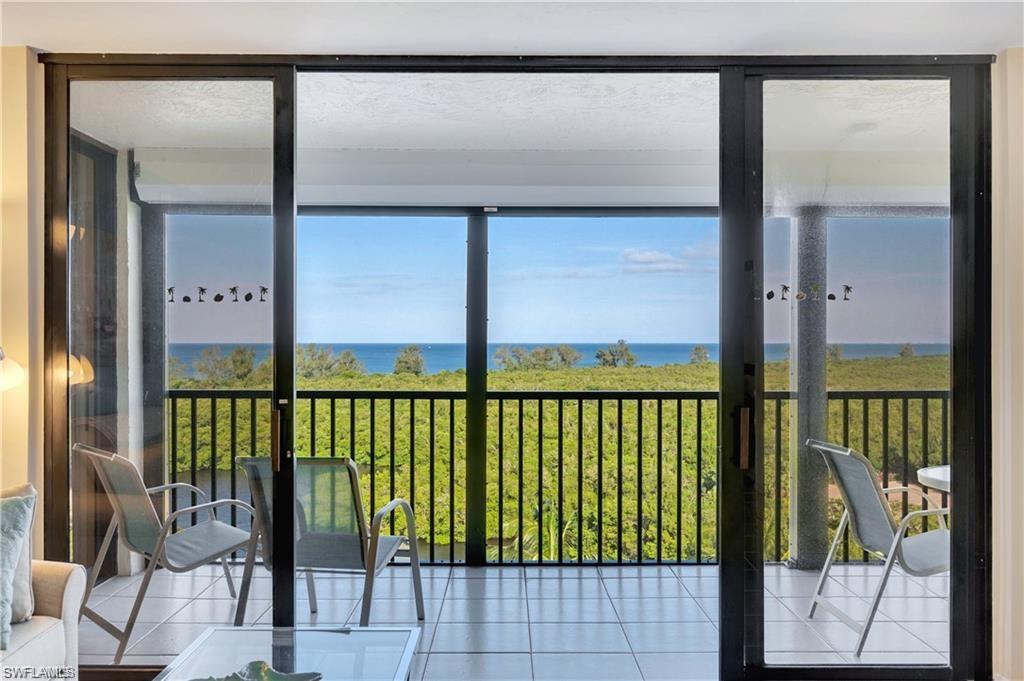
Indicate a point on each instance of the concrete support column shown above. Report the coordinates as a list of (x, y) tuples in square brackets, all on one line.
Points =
[(808, 476)]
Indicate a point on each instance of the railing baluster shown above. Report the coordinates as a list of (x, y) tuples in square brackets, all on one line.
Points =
[(618, 486), (521, 470), (600, 480), (639, 481), (561, 476), (579, 480), (501, 481), (924, 452), (679, 481), (373, 455), (778, 480), (846, 443), (234, 455), (885, 442), (945, 442), (540, 481), (700, 481), (905, 417), (433, 491), (352, 429), (659, 495), (451, 480), (866, 444), (192, 447), (412, 454), (213, 450), (391, 457), (174, 459), (334, 429), (312, 453)]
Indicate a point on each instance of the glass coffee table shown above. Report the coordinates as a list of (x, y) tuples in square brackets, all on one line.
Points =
[(300, 654)]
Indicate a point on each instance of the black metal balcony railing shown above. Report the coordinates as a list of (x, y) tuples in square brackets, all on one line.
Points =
[(573, 476)]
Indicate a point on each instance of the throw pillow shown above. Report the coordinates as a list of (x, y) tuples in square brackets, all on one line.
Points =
[(23, 602), (15, 521)]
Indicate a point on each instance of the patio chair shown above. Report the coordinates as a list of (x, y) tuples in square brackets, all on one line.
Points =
[(331, 532), (140, 529), (873, 527)]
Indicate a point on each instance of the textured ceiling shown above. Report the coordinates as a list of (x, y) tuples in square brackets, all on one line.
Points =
[(509, 112)]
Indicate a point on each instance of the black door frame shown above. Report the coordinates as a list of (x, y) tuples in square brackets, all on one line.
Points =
[(741, 350), (56, 441), (742, 383)]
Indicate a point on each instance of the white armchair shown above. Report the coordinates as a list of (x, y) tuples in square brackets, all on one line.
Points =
[(50, 637)]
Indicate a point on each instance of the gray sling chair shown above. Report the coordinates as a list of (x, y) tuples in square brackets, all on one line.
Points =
[(142, 530), (331, 533), (873, 527)]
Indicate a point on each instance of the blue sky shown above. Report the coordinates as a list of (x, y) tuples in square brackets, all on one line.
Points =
[(386, 279)]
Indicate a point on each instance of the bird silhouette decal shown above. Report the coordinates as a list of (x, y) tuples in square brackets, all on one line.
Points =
[(234, 294), (186, 299), (263, 292), (170, 294), (248, 296), (218, 297), (202, 292), (770, 294)]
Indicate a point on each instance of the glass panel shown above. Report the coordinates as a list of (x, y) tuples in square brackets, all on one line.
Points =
[(590, 304), (857, 332), (170, 265), (381, 306)]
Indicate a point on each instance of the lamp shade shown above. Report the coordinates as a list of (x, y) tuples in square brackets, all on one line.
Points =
[(11, 373)]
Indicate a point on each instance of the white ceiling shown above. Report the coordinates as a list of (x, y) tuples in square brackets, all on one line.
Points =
[(514, 139), (516, 27)]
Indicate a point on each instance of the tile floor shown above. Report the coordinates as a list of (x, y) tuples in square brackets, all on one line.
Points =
[(651, 622)]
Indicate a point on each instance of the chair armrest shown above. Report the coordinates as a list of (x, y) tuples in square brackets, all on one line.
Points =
[(177, 485), (907, 519), (210, 506), (925, 498), (378, 520), (58, 589)]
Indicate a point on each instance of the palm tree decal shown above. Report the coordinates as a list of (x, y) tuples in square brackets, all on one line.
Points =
[(202, 292), (263, 292), (847, 290), (785, 290), (234, 294), (170, 294)]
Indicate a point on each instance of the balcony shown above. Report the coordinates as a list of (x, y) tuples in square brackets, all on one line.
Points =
[(568, 579)]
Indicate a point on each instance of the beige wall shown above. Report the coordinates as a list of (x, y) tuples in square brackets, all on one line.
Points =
[(21, 265), (1008, 363)]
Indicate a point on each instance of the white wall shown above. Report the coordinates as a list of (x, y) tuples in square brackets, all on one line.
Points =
[(1008, 363), (21, 267)]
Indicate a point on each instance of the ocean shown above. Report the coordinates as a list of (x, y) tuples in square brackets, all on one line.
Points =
[(438, 357)]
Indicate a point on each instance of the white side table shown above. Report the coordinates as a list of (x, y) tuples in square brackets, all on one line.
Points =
[(935, 477)]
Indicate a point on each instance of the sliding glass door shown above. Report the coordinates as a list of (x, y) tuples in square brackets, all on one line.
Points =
[(853, 457), (174, 354)]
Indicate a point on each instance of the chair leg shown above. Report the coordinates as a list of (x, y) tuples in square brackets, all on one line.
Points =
[(127, 633), (243, 596), (889, 562), (311, 591), (417, 578), (827, 567), (364, 614), (227, 576), (100, 557)]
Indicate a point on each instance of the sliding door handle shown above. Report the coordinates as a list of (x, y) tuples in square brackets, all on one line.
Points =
[(744, 438), (275, 440)]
